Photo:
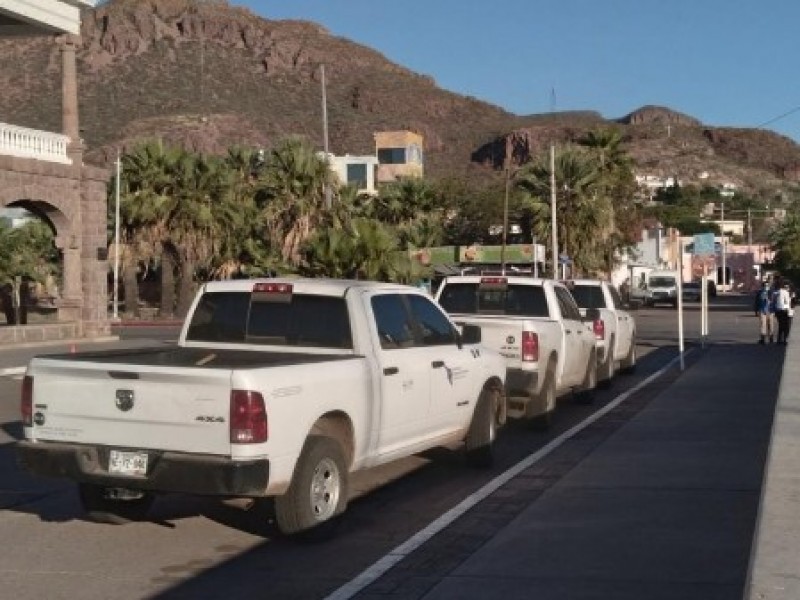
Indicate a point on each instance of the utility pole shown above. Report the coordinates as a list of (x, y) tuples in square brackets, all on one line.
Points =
[(505, 219), (116, 239), (553, 225), (724, 266), (327, 189)]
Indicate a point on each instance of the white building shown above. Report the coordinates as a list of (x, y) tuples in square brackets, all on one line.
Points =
[(357, 171)]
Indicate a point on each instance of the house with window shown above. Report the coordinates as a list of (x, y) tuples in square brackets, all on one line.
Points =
[(399, 155), (356, 171)]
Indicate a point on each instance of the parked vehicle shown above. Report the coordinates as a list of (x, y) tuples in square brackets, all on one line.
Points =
[(536, 325), (277, 387), (691, 291), (663, 288), (614, 327)]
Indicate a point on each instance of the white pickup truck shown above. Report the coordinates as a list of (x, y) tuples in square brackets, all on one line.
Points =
[(614, 327), (536, 325), (277, 387)]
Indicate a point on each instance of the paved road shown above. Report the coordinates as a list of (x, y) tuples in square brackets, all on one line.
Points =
[(196, 547)]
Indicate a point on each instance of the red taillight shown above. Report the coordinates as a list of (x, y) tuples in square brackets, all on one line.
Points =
[(599, 327), (248, 417), (26, 404), (530, 347), (272, 288)]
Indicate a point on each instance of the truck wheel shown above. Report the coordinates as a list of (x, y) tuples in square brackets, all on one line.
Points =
[(479, 443), (114, 505), (589, 385), (629, 363), (319, 489), (547, 399)]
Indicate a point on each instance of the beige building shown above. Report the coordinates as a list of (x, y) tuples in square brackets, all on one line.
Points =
[(399, 155)]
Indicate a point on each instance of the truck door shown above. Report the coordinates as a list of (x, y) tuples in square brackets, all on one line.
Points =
[(404, 375), (624, 324), (579, 341), (452, 376)]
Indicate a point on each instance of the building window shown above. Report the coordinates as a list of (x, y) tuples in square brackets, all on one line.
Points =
[(392, 156), (357, 175)]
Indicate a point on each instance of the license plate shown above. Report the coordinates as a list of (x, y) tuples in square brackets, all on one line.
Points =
[(127, 463)]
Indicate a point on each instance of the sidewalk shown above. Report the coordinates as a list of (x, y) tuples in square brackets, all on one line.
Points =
[(663, 507)]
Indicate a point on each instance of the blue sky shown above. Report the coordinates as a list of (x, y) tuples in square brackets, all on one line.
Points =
[(724, 62)]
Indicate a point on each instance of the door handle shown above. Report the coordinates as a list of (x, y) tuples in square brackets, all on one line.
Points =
[(391, 371), (569, 331), (437, 364)]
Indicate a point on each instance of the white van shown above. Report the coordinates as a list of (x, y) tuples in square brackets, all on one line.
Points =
[(662, 287)]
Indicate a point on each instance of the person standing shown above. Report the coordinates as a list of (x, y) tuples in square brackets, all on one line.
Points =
[(764, 308), (783, 301)]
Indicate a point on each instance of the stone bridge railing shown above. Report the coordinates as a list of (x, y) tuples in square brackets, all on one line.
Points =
[(32, 143)]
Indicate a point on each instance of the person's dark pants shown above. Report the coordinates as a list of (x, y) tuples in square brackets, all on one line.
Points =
[(783, 325), (788, 327)]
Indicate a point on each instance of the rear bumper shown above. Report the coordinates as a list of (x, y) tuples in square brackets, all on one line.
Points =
[(166, 471)]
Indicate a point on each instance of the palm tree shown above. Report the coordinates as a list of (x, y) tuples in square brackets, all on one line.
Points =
[(290, 196), (581, 213)]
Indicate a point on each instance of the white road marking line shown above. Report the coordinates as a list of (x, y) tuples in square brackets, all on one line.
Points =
[(380, 567)]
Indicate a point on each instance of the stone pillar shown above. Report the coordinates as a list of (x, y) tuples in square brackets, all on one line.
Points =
[(69, 95)]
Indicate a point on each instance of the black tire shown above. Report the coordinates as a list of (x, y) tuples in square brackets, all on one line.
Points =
[(587, 391), (629, 363), (544, 421), (319, 490), (479, 442), (105, 505)]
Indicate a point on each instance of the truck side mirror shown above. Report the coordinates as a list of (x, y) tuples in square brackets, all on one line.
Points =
[(470, 334)]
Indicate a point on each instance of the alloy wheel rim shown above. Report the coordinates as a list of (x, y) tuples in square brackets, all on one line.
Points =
[(326, 487)]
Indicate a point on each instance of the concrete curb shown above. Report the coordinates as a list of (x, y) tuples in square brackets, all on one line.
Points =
[(773, 571)]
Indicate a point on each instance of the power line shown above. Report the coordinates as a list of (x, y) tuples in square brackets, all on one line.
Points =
[(779, 117)]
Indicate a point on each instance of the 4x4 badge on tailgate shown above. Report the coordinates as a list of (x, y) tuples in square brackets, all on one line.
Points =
[(124, 400)]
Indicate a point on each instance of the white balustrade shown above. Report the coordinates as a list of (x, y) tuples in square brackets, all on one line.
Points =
[(32, 143)]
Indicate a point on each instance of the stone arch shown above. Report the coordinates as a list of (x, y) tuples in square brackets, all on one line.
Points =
[(73, 202)]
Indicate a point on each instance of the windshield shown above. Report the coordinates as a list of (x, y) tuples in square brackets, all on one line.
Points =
[(516, 300), (662, 282), (304, 320)]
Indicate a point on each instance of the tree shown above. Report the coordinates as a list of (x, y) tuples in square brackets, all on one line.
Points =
[(290, 197), (582, 213)]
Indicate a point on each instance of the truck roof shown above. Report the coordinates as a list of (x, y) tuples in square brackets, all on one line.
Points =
[(321, 286), (515, 279), (587, 282)]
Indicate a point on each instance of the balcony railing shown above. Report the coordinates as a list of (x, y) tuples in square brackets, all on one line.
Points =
[(32, 143)]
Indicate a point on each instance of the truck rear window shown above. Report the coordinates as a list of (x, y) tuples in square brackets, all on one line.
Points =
[(305, 320), (515, 300), (588, 296)]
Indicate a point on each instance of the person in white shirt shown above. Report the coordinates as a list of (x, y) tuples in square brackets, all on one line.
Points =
[(783, 303)]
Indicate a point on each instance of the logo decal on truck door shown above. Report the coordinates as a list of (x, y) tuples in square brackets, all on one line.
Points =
[(124, 400)]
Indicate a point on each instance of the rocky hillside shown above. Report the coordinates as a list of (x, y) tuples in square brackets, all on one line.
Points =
[(210, 75)]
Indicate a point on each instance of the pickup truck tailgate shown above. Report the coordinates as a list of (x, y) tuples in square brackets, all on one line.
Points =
[(184, 409)]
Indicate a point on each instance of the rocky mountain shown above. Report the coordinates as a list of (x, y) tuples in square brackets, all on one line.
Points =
[(210, 75)]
